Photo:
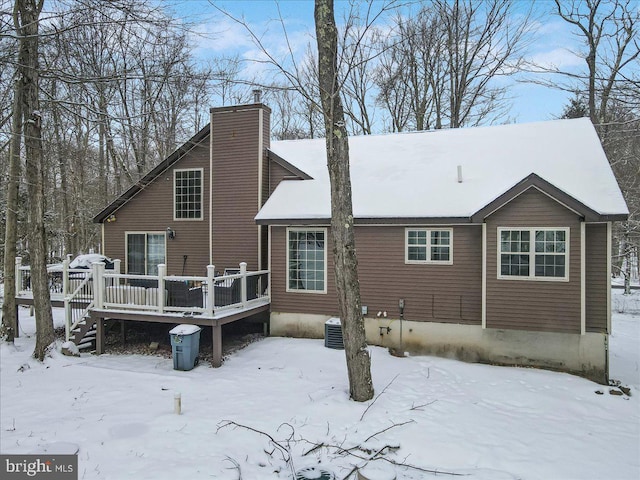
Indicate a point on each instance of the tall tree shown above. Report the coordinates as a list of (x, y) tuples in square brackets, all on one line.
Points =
[(9, 307), (26, 17), (609, 31), (342, 224)]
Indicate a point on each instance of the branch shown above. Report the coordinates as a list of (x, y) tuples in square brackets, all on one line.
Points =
[(388, 428), (378, 396)]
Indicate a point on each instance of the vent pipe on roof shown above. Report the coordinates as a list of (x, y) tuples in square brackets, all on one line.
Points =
[(257, 95), (459, 173)]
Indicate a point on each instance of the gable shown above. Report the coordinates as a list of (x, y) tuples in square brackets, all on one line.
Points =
[(535, 183), (140, 185)]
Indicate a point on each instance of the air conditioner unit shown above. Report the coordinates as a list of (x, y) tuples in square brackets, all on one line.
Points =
[(333, 334)]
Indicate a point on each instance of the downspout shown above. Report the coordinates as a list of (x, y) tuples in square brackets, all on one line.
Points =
[(484, 275), (260, 179), (211, 188), (583, 278), (608, 332)]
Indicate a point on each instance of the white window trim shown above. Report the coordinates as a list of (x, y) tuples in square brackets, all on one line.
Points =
[(145, 233), (195, 219), (532, 254), (303, 229), (428, 246)]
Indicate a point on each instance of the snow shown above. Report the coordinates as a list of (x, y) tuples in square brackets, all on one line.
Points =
[(86, 260), (184, 329), (415, 175), (487, 422)]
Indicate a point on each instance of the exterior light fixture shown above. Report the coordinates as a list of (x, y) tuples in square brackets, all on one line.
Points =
[(171, 233)]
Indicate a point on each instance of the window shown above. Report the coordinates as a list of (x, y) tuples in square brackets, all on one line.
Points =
[(188, 194), (145, 251), (428, 246), (533, 253), (306, 260)]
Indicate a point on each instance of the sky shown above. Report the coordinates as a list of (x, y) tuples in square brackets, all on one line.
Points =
[(553, 43)]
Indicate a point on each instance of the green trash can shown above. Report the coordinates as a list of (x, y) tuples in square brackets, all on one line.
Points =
[(185, 346)]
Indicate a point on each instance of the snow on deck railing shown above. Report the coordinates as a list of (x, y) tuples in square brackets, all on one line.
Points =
[(62, 279), (163, 293)]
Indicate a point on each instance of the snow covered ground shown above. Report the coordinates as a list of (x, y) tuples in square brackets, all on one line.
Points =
[(485, 422)]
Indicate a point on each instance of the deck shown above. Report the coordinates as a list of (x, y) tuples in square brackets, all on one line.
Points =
[(92, 296)]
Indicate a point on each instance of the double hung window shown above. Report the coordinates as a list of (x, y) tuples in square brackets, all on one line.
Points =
[(533, 253), (424, 245)]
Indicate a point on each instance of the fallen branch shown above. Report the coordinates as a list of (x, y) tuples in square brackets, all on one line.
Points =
[(378, 396), (285, 451), (388, 428), (286, 454), (418, 407), (236, 466)]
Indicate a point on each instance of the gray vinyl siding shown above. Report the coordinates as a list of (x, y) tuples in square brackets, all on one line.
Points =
[(152, 210), (235, 152), (535, 305), (437, 293), (596, 277)]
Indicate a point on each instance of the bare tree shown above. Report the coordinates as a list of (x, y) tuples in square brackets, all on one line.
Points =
[(609, 90), (26, 16), (439, 67), (358, 87), (342, 224), (9, 306), (610, 31)]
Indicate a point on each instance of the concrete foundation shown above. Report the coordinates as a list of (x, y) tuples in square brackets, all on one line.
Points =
[(583, 355)]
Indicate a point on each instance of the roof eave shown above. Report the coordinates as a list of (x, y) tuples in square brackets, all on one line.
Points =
[(369, 221)]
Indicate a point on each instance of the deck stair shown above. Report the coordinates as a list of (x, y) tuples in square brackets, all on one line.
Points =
[(84, 335)]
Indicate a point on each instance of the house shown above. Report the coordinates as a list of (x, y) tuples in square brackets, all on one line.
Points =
[(487, 244)]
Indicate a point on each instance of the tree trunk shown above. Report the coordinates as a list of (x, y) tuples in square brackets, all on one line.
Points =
[(9, 307), (342, 233), (26, 17)]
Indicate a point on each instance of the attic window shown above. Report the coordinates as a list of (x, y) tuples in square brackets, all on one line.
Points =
[(187, 194)]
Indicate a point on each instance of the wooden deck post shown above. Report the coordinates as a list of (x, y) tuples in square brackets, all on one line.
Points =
[(211, 273), (216, 359), (16, 323), (65, 277), (243, 283), (98, 284), (18, 275), (162, 272), (99, 336)]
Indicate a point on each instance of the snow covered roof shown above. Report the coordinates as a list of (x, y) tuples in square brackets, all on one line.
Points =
[(415, 175)]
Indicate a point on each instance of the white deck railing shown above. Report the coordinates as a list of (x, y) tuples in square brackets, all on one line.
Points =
[(163, 293), (84, 289), (62, 279)]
